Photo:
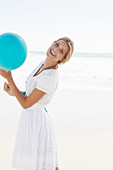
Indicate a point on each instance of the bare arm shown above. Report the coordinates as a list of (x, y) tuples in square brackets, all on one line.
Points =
[(34, 97), (19, 96), (25, 102)]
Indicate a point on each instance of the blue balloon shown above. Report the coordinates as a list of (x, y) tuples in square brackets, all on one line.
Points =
[(13, 51)]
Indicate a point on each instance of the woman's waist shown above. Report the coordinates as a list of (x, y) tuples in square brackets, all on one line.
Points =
[(37, 107)]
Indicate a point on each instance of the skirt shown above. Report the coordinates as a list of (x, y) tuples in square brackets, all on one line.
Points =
[(35, 146)]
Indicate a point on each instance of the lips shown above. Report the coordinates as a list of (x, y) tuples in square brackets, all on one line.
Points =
[(51, 52)]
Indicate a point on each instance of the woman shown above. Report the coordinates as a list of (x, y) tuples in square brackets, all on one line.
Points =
[(35, 145)]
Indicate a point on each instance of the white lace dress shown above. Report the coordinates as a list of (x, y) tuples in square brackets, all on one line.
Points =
[(35, 146)]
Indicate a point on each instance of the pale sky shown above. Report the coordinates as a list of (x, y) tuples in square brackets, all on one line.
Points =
[(89, 23)]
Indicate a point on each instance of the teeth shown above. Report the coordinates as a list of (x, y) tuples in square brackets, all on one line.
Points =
[(52, 52)]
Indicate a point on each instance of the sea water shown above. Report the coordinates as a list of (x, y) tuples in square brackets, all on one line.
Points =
[(93, 71)]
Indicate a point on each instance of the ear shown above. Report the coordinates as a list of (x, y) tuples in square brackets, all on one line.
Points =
[(63, 58)]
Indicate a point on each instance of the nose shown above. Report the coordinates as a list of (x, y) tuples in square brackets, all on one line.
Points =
[(56, 49)]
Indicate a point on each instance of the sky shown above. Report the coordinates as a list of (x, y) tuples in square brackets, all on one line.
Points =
[(88, 23)]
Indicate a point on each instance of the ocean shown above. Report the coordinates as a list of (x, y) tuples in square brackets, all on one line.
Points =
[(91, 71)]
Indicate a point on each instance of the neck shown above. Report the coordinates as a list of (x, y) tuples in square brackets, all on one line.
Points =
[(49, 63)]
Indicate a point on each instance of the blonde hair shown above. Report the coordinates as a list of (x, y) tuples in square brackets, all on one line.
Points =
[(70, 49)]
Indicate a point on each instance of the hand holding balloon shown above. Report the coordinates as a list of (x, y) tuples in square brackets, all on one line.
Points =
[(5, 74)]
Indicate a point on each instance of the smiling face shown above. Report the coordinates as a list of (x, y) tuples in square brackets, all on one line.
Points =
[(57, 50)]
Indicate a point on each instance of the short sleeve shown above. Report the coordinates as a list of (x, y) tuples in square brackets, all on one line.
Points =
[(45, 83)]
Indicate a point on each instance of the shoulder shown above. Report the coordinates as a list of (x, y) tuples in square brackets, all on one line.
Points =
[(51, 74), (48, 78)]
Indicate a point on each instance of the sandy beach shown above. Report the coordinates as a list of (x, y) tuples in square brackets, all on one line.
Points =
[(88, 150), (83, 124)]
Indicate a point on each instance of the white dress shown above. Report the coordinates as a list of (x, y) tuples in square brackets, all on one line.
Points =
[(35, 146)]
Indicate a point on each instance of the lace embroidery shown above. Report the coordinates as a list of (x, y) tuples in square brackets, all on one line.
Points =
[(40, 151)]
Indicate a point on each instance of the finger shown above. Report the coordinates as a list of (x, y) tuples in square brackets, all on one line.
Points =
[(4, 87), (5, 84), (8, 86)]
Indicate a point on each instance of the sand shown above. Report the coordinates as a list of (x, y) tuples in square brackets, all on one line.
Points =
[(83, 123), (88, 150)]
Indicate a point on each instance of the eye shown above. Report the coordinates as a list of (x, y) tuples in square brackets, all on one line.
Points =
[(61, 51), (57, 44)]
